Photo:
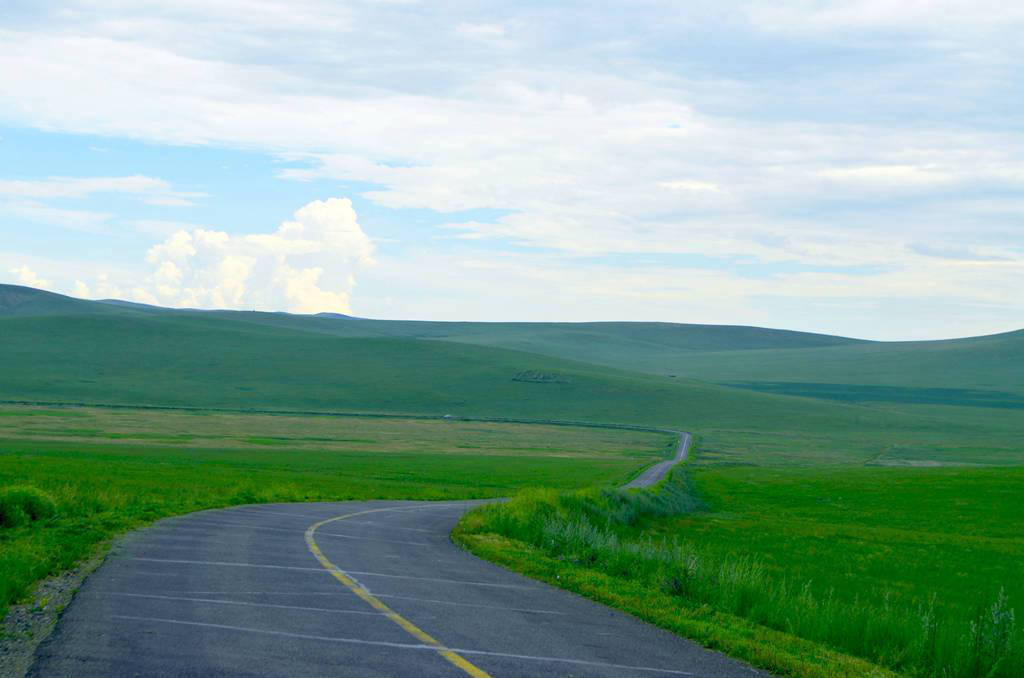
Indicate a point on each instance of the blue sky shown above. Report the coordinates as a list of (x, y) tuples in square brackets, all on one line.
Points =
[(853, 168)]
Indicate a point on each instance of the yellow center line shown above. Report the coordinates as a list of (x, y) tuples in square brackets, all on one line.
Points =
[(374, 602)]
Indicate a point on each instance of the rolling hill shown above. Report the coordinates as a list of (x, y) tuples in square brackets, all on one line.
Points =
[(56, 349), (201, 360)]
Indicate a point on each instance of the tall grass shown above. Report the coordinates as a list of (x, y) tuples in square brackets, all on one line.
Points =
[(591, 529)]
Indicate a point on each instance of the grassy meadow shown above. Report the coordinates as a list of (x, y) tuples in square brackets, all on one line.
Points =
[(803, 571), (205, 361), (856, 533), (107, 471), (852, 508)]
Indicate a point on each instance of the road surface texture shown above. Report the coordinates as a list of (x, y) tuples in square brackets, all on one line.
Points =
[(347, 589)]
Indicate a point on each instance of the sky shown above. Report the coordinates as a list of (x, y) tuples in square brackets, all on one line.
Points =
[(853, 168)]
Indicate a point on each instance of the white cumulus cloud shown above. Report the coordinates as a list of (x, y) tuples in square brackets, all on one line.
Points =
[(26, 276), (307, 265)]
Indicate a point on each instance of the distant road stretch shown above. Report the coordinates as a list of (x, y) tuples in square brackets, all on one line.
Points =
[(344, 589), (655, 473)]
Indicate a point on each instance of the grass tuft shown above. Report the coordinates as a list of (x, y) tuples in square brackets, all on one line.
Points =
[(21, 505)]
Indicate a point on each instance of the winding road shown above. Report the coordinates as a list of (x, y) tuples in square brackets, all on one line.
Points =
[(344, 589), (656, 472)]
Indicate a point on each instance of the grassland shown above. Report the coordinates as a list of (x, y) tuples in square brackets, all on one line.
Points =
[(804, 571), (198, 360), (852, 509), (112, 470), (909, 534), (713, 353)]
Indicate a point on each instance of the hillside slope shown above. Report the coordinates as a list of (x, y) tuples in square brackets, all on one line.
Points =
[(226, 360), (980, 371), (205, 361), (19, 301), (980, 368)]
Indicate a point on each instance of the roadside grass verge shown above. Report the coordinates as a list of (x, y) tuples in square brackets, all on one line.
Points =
[(60, 499), (599, 543)]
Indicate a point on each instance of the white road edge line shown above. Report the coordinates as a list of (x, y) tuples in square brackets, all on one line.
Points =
[(255, 509), (406, 646), (244, 603), (290, 530), (298, 532), (390, 527), (328, 593), (323, 571)]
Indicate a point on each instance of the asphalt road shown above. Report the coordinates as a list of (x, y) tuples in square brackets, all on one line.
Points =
[(347, 589), (656, 472)]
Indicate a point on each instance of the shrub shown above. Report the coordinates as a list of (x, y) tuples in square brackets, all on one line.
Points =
[(20, 505)]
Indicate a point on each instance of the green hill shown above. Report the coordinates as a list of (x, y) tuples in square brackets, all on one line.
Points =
[(57, 349), (980, 371), (612, 343), (18, 301), (201, 360)]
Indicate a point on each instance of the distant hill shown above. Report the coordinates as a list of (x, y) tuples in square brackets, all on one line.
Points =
[(990, 366), (201, 360), (16, 300), (56, 349), (979, 371)]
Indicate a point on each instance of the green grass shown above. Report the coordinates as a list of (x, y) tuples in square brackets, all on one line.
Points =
[(912, 533), (100, 487), (914, 570)]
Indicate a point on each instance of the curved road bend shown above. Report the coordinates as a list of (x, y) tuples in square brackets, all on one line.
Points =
[(342, 589)]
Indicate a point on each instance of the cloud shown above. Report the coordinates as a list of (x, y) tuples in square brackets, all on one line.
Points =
[(26, 198), (956, 253), (307, 265), (80, 187), (912, 16), (475, 30), (152, 191), (79, 220), (835, 134), (888, 175), (691, 185), (589, 154), (102, 288), (169, 201), (488, 34), (162, 227), (26, 276), (898, 303)]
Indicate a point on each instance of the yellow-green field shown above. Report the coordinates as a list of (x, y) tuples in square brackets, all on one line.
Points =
[(379, 435)]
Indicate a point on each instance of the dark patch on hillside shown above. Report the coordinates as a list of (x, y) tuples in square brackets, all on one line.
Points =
[(537, 377), (862, 393), (13, 296)]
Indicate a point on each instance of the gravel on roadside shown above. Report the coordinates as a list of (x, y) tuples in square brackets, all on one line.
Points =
[(28, 624)]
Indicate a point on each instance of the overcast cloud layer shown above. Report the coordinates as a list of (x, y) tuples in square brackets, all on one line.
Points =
[(852, 167)]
